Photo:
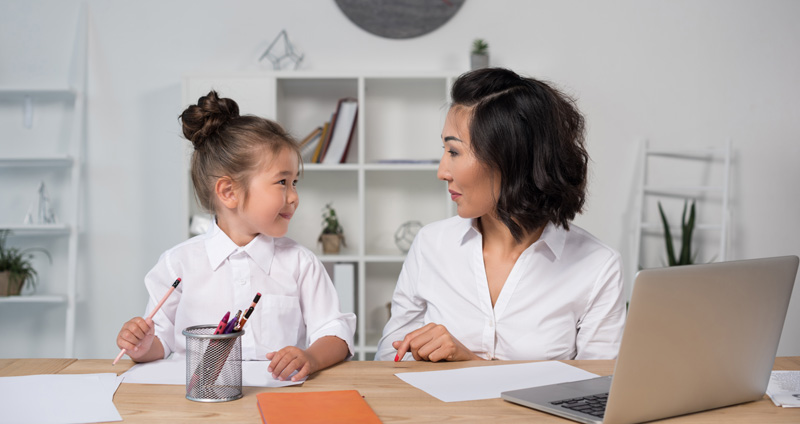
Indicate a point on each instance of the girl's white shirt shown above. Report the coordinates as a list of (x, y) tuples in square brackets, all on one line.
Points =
[(298, 302), (562, 300)]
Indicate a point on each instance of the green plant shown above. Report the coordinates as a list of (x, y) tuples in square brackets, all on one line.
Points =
[(18, 262), (687, 228), (330, 222), (479, 46)]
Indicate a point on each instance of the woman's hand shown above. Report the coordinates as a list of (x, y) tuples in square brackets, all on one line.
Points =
[(432, 343), (291, 359), (136, 337)]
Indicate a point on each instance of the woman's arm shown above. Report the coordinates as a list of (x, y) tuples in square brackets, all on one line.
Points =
[(600, 328)]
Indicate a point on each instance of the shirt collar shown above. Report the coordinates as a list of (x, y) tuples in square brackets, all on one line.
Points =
[(553, 237), (219, 247)]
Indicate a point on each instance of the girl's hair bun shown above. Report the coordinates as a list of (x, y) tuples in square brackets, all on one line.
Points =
[(204, 119)]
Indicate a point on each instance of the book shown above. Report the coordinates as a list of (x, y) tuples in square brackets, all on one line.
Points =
[(344, 281), (320, 145), (332, 407), (342, 131), (309, 144)]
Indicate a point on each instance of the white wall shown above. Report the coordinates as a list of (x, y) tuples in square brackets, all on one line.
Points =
[(674, 72)]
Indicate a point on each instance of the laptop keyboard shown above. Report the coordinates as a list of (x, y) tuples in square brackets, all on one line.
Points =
[(592, 405)]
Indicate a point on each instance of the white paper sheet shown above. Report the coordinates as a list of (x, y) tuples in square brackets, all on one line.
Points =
[(486, 382), (173, 371), (784, 388), (58, 398)]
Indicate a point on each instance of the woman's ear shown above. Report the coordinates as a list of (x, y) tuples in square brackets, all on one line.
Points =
[(225, 192)]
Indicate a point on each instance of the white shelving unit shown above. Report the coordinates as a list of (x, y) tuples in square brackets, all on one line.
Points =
[(45, 145), (704, 179), (400, 116)]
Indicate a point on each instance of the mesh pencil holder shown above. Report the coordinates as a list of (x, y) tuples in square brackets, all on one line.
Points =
[(213, 364)]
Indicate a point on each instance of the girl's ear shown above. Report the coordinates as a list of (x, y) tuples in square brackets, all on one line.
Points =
[(225, 192)]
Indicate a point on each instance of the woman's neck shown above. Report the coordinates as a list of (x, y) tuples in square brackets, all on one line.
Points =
[(497, 237)]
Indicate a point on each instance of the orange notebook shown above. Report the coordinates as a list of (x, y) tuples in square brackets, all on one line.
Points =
[(341, 406)]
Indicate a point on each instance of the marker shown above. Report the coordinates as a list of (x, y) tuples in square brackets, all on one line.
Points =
[(223, 323), (232, 323), (152, 314)]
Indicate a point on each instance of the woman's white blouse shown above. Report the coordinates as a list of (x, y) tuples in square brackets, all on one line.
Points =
[(562, 300), (298, 301)]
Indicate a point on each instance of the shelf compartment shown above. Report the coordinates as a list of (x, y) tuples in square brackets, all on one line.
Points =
[(394, 198), (316, 189), (403, 118)]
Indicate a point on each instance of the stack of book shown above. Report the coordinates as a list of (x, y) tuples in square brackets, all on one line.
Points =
[(330, 142)]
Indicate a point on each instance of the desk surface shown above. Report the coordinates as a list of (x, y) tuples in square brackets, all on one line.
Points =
[(392, 399)]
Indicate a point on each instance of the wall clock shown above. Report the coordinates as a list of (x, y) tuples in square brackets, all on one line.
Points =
[(399, 18)]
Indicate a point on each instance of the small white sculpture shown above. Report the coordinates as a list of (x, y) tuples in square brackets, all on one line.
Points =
[(405, 234), (44, 210)]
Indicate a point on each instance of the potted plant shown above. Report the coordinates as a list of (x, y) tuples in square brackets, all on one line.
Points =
[(16, 270), (480, 54), (332, 232), (687, 228)]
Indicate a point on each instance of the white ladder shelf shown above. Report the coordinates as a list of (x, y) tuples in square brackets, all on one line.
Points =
[(653, 188)]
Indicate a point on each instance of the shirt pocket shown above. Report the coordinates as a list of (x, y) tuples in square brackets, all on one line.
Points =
[(282, 322)]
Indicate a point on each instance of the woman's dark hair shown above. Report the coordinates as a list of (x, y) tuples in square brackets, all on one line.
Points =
[(227, 144), (533, 134)]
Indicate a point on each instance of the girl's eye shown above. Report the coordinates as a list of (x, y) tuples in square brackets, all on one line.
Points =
[(282, 182), (294, 183)]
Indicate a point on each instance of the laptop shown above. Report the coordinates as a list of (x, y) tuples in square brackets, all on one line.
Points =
[(697, 337)]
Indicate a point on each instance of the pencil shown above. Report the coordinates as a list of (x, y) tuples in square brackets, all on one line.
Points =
[(152, 314)]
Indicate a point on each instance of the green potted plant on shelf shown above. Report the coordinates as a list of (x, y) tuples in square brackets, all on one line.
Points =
[(687, 228), (16, 269), (480, 54), (332, 236)]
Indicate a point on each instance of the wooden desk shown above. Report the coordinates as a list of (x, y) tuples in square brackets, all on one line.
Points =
[(392, 399)]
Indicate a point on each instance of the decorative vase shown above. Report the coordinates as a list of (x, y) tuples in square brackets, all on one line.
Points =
[(478, 61), (9, 286), (330, 243)]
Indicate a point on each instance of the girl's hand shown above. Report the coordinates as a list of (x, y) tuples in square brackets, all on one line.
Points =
[(291, 359), (432, 343), (136, 336)]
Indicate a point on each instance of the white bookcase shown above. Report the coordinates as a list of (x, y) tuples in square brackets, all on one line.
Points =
[(400, 117), (42, 142)]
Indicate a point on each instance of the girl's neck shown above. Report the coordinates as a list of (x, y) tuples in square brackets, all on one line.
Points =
[(237, 234)]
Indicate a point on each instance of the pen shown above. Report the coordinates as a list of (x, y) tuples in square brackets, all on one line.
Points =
[(152, 314), (223, 323), (246, 315), (232, 323)]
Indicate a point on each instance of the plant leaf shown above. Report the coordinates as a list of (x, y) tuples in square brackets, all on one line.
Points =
[(667, 237)]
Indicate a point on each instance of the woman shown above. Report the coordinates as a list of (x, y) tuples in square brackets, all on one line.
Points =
[(509, 277)]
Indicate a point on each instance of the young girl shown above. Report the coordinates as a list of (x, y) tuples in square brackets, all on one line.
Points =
[(245, 170)]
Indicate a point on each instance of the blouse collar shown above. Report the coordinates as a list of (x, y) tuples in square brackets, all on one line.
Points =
[(220, 247), (552, 237)]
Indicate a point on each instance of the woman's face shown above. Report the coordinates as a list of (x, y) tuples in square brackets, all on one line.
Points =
[(471, 184)]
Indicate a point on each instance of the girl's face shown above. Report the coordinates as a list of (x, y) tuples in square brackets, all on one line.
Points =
[(272, 196), (471, 184)]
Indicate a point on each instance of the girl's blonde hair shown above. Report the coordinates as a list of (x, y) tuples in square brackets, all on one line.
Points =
[(227, 144)]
